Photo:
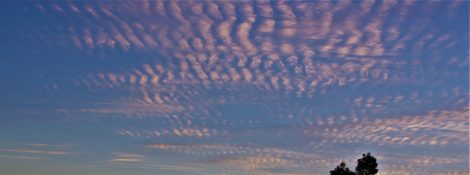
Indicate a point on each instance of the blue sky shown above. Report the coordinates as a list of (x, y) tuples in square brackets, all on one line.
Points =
[(233, 87)]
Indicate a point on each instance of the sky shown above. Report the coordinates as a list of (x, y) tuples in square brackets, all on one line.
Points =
[(233, 87)]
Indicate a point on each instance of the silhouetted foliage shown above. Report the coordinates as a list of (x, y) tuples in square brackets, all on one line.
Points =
[(341, 169), (367, 165)]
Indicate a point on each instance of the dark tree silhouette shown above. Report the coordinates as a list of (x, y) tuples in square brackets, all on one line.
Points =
[(341, 169), (367, 165)]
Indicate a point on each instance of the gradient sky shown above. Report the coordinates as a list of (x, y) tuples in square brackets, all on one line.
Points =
[(232, 87)]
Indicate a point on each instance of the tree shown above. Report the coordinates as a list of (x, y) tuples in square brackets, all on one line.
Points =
[(367, 165), (341, 169)]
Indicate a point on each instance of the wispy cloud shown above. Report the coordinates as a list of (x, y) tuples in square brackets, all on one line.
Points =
[(21, 157), (34, 151), (127, 158), (434, 128)]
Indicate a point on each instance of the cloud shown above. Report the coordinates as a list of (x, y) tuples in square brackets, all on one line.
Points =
[(21, 157), (34, 151), (174, 132), (127, 158), (434, 128), (270, 75)]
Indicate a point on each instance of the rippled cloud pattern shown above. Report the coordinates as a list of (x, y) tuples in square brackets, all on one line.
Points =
[(233, 87)]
